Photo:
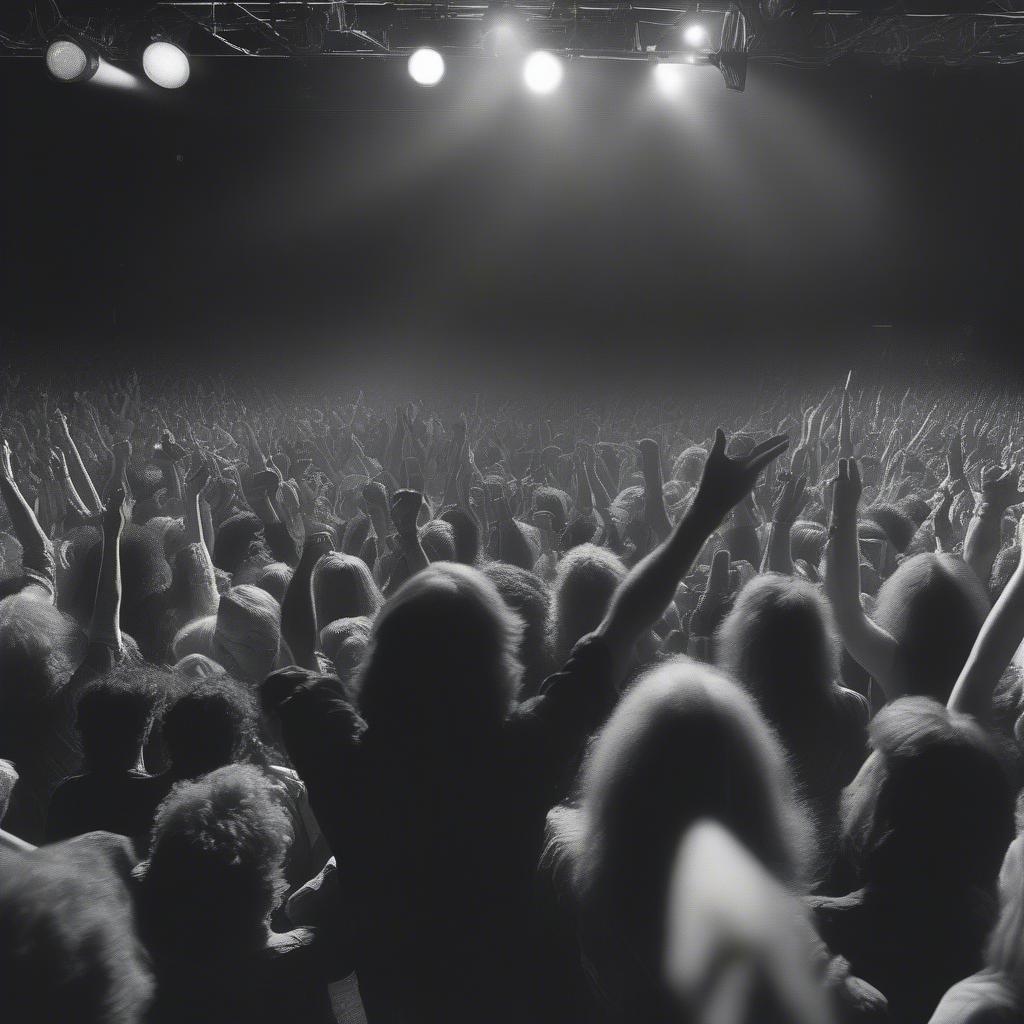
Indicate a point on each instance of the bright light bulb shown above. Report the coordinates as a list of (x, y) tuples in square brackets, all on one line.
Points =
[(426, 67), (542, 72), (165, 65), (668, 78), (695, 35), (68, 61)]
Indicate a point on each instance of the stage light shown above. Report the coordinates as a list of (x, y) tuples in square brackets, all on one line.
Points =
[(695, 35), (542, 72), (669, 79), (165, 64), (426, 66), (68, 60)]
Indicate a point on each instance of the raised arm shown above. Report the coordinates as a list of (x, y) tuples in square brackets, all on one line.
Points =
[(105, 626), (646, 592), (36, 549), (201, 577), (655, 515), (405, 507), (789, 503), (869, 645), (79, 475), (998, 640), (298, 619), (999, 490)]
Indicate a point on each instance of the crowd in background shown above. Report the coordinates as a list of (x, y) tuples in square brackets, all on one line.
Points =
[(318, 709)]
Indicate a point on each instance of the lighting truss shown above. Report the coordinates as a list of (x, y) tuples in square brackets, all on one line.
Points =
[(768, 31)]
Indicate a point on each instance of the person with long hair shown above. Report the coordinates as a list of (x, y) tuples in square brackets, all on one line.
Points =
[(685, 744), (780, 643), (926, 823), (433, 791)]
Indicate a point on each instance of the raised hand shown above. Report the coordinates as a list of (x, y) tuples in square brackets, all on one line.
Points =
[(5, 460), (940, 521), (1000, 488), (317, 545), (117, 514), (405, 507), (725, 481), (846, 491), (62, 423), (199, 478), (791, 499), (955, 480)]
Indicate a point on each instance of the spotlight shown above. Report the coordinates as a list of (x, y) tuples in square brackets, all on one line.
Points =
[(426, 66), (695, 35), (668, 78), (542, 72), (68, 60), (165, 64)]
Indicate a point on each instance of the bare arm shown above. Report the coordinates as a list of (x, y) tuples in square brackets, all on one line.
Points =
[(999, 490), (646, 592), (788, 506), (998, 640), (105, 626), (37, 550), (869, 645), (79, 475)]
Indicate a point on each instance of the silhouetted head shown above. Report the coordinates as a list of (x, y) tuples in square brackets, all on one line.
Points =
[(196, 637), (343, 589), (526, 594), (896, 524), (581, 530), (555, 501), (357, 529), (689, 464), (215, 867), (345, 641), (807, 541), (114, 715), (586, 580), (684, 744), (274, 579), (236, 536), (247, 637), (437, 538), (933, 606), (932, 806), (914, 506), (442, 659), (466, 534), (213, 723), (780, 643)]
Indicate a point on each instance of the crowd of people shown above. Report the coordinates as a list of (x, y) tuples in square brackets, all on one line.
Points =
[(331, 709)]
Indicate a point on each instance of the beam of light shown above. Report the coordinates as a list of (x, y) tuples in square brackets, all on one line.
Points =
[(69, 61), (695, 35), (542, 72), (165, 64), (426, 67), (115, 77), (668, 79)]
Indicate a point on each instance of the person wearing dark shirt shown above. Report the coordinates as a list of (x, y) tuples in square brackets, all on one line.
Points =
[(115, 794)]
